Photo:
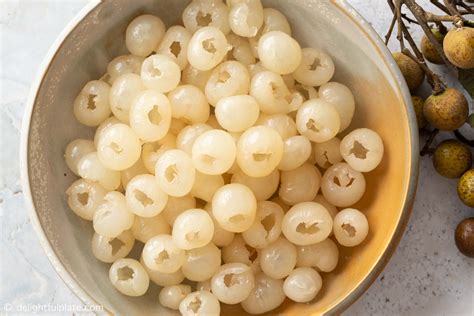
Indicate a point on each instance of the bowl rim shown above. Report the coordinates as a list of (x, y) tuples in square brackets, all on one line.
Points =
[(401, 88)]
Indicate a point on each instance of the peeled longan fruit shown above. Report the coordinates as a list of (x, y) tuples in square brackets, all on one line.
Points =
[(459, 47), (418, 104), (446, 111), (428, 49), (412, 72)]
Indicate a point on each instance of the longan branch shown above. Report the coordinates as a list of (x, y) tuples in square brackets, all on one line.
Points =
[(463, 139), (440, 6), (426, 148), (419, 14), (390, 29), (451, 6), (433, 79), (398, 13), (430, 17), (408, 19), (467, 9)]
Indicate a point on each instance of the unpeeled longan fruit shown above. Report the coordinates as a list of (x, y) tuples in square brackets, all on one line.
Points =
[(411, 71), (459, 47), (428, 49), (446, 111)]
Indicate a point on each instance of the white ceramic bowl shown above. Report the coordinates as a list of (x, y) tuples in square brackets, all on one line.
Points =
[(96, 35)]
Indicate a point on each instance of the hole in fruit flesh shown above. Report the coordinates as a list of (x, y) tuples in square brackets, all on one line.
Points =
[(306, 229), (231, 279), (261, 156), (83, 198), (208, 46), (162, 256), (230, 53), (326, 163), (311, 125), (195, 305), (125, 273), (345, 181), (268, 222), (359, 150), (171, 173), (223, 76), (116, 147), (116, 245), (349, 229), (303, 91), (142, 198), (175, 48), (155, 72), (203, 19), (91, 102), (316, 63), (208, 159), (154, 115), (253, 254), (236, 218), (278, 91), (192, 236)]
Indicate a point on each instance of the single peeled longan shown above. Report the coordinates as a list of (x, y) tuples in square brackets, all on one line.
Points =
[(266, 295), (446, 111), (459, 47), (411, 71), (279, 52), (144, 34), (129, 277)]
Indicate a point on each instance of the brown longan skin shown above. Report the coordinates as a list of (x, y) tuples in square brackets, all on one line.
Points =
[(418, 105), (452, 158), (464, 237), (446, 111), (459, 47), (466, 188), (411, 71), (428, 49)]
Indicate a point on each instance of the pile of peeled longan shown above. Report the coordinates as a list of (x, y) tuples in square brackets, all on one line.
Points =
[(213, 141)]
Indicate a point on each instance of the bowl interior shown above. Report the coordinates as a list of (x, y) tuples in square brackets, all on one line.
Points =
[(326, 24)]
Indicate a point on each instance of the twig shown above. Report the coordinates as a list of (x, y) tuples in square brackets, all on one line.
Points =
[(468, 9), (426, 148), (440, 6), (408, 19), (436, 83), (390, 29), (398, 13), (430, 17), (433, 79), (463, 139), (419, 14), (451, 5)]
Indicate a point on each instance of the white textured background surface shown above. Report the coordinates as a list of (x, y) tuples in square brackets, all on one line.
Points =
[(426, 276)]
